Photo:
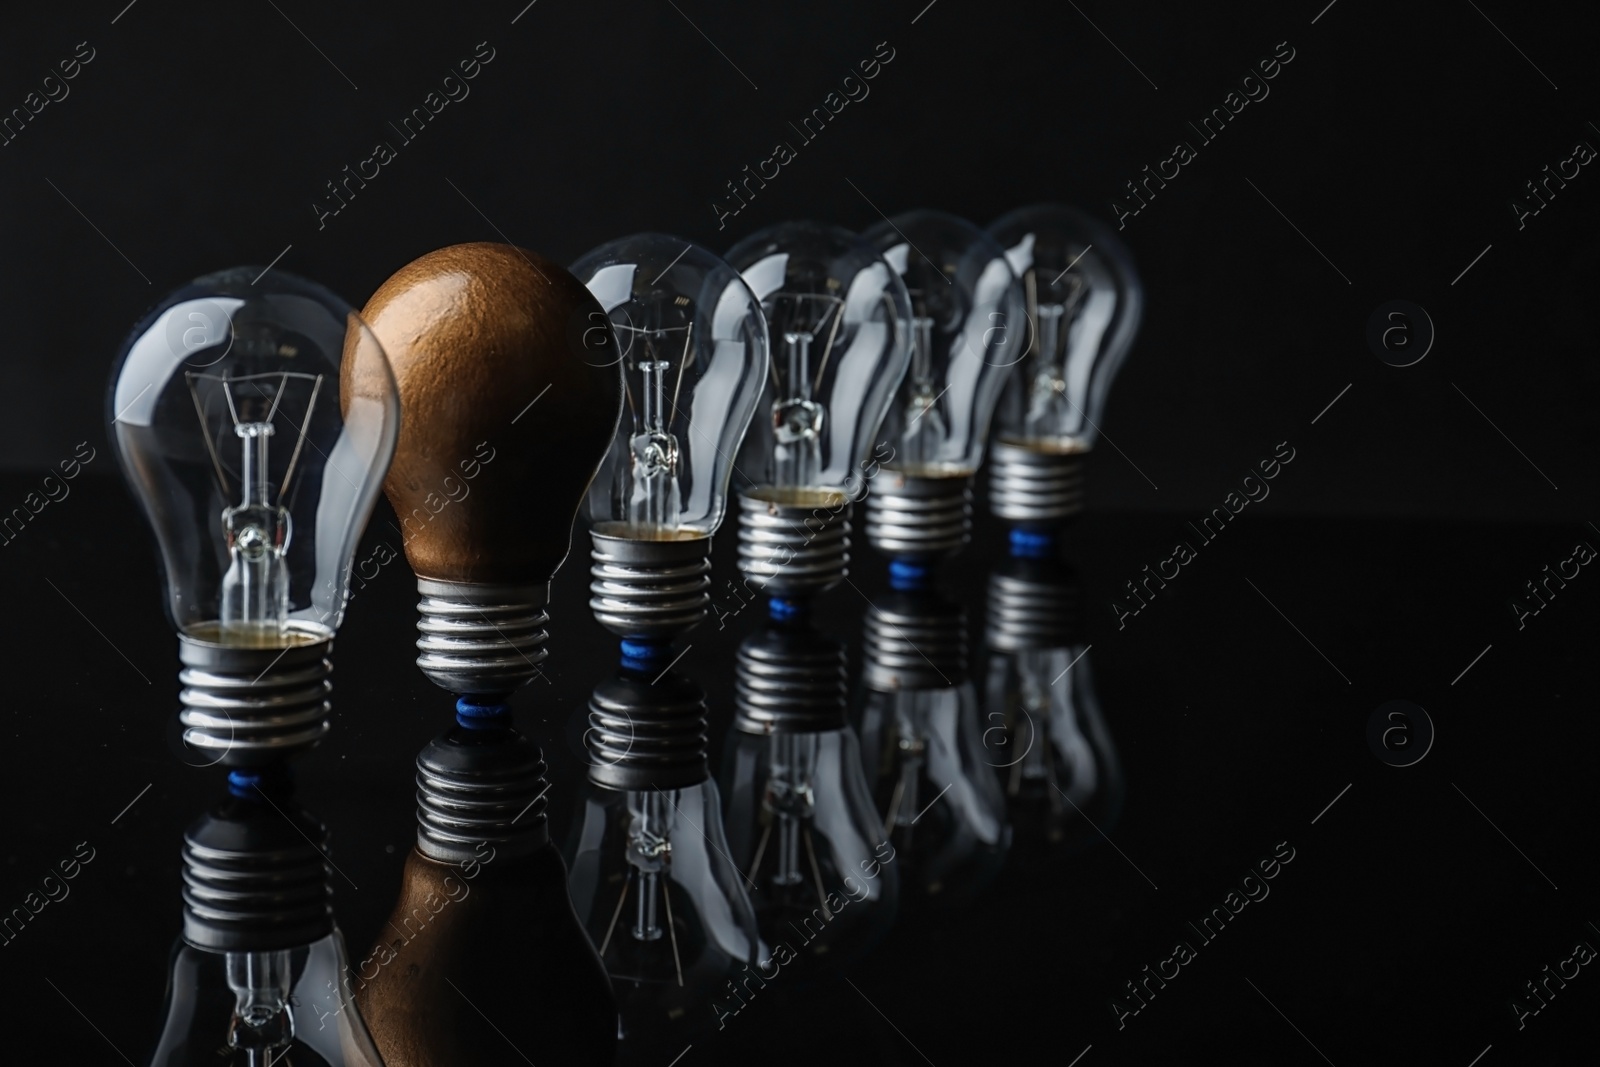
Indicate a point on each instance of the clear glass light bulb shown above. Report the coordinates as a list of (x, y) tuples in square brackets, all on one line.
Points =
[(261, 983), (1044, 730), (229, 427), (1047, 737), (255, 416), (839, 320), (693, 346), (254, 1009), (803, 828), (260, 975), (968, 327), (1084, 302), (653, 886), (942, 807)]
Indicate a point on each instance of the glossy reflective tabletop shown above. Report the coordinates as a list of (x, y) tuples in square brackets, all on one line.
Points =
[(1292, 869)]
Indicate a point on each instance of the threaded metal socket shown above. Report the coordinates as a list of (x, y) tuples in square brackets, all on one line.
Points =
[(1032, 604), (480, 787), (481, 638), (913, 516), (1030, 483), (253, 706), (646, 589), (914, 641), (647, 735), (255, 878), (794, 542), (789, 681)]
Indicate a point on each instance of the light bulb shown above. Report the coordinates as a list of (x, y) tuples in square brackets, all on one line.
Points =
[(839, 320), (257, 479), (923, 746), (1044, 730), (800, 817), (1084, 302), (511, 398), (692, 346), (968, 327), (483, 908), (259, 976), (652, 878), (487, 480)]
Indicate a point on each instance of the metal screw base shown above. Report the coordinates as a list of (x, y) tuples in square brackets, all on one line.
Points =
[(1034, 485), (1032, 604), (645, 735), (480, 639), (794, 542), (252, 882), (254, 706), (789, 681), (480, 787), (914, 641), (911, 516), (649, 590)]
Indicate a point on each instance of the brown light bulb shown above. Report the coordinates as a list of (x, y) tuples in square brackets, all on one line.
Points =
[(510, 391), (483, 961)]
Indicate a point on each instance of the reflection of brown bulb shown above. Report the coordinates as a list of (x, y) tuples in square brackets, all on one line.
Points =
[(510, 942), (486, 486), (484, 909), (510, 391)]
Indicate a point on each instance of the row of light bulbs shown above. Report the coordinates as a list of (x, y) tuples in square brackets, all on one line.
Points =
[(257, 416)]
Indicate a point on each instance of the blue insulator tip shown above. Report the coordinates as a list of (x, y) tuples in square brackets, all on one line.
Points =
[(483, 712), (1032, 544), (910, 574)]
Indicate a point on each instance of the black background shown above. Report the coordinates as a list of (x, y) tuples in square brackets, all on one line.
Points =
[(199, 138), (1395, 140)]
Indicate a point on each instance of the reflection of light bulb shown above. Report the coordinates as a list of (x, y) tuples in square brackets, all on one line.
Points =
[(922, 744), (258, 478), (1084, 303), (250, 1009), (838, 317), (1044, 730), (261, 982), (484, 897), (801, 823), (260, 975), (967, 321), (693, 348), (677, 915), (651, 877)]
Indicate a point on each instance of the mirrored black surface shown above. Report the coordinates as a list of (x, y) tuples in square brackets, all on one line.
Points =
[(1243, 846)]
